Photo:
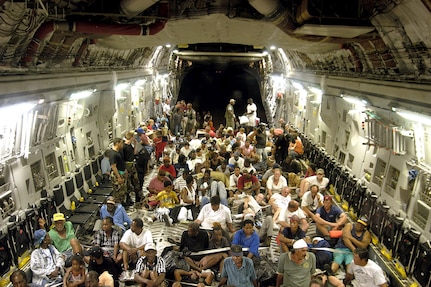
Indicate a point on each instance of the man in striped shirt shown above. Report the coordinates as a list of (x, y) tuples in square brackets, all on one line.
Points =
[(150, 269)]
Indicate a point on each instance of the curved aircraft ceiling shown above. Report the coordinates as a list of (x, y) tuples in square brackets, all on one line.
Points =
[(384, 39)]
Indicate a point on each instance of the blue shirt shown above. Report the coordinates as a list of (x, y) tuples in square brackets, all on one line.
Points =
[(330, 216), (240, 277), (120, 216), (251, 242)]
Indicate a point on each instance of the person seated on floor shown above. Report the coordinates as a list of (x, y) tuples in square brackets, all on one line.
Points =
[(150, 269), (215, 212), (247, 237), (233, 181), (194, 239), (157, 184), (329, 217), (311, 201), (168, 198), (323, 257), (105, 267), (181, 166), (168, 168), (92, 280), (291, 234), (109, 240), (75, 274), (290, 165), (249, 166), (269, 171), (354, 236), (248, 183), (46, 262), (204, 278), (63, 236), (117, 212), (209, 187), (133, 242), (364, 270), (279, 202), (236, 160), (189, 199), (293, 209), (319, 179), (275, 183), (218, 240), (195, 163), (238, 270), (224, 168), (18, 278), (253, 207)]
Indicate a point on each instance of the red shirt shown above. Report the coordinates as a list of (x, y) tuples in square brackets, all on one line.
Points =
[(247, 182), (170, 169)]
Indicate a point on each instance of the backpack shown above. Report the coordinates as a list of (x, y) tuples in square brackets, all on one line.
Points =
[(142, 156)]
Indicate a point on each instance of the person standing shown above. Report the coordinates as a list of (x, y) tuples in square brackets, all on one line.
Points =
[(230, 114), (364, 270), (119, 171), (296, 267), (238, 270), (129, 150), (251, 114), (190, 115)]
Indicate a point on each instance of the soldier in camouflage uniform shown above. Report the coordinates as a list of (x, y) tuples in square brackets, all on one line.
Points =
[(129, 150), (118, 171)]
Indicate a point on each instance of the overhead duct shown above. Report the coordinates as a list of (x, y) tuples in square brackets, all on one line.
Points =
[(276, 13), (88, 27), (134, 7)]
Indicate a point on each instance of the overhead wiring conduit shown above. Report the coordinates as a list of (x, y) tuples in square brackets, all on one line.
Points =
[(88, 27)]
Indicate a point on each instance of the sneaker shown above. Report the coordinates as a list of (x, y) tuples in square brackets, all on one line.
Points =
[(166, 219)]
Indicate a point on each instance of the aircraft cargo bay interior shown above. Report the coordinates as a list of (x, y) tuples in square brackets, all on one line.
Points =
[(215, 143)]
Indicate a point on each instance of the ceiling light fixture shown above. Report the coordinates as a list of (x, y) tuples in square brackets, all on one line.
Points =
[(121, 86), (413, 116), (82, 94), (297, 86), (355, 100)]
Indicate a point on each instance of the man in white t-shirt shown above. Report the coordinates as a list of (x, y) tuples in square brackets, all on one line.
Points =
[(133, 242), (280, 201), (275, 182), (319, 179), (293, 209), (311, 201), (365, 271), (233, 180), (236, 160), (215, 212)]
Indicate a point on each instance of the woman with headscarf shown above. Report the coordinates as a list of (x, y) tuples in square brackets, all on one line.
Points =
[(46, 262)]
